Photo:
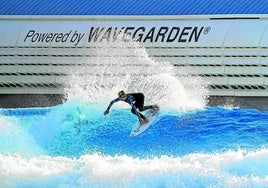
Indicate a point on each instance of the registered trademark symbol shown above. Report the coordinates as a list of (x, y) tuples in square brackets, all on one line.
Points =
[(207, 30)]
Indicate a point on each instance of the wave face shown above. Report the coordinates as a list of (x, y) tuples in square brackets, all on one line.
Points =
[(75, 145), (190, 145)]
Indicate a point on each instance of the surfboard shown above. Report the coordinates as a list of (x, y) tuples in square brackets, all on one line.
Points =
[(151, 116)]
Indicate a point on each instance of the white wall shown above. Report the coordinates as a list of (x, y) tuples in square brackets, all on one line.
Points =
[(220, 46)]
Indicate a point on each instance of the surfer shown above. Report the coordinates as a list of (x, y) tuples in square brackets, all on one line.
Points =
[(136, 100)]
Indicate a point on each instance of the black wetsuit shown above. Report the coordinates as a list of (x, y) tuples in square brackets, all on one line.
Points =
[(136, 100)]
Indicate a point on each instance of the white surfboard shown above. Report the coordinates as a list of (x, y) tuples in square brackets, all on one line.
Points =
[(151, 116)]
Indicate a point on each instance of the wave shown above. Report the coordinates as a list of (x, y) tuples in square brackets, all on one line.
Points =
[(73, 129), (239, 168)]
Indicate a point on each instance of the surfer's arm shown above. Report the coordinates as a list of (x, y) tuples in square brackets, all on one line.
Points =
[(110, 105)]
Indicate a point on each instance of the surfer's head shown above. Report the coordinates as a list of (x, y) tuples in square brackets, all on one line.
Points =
[(122, 95)]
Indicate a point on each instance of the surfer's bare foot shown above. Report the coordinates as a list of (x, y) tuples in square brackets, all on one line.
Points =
[(144, 121), (154, 109)]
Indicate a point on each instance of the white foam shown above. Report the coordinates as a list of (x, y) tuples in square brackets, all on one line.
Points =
[(16, 167), (233, 168), (15, 139)]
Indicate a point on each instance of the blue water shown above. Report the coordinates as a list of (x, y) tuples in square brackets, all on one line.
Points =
[(75, 145)]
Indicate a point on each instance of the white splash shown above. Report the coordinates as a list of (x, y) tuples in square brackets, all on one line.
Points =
[(126, 66)]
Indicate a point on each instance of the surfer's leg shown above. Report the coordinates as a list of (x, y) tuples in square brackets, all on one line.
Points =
[(143, 119), (140, 104), (143, 108), (141, 115)]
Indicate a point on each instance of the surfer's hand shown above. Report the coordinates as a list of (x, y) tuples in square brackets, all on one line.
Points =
[(106, 112)]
